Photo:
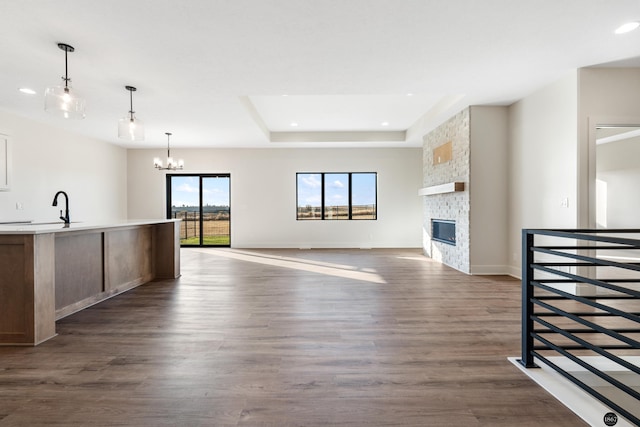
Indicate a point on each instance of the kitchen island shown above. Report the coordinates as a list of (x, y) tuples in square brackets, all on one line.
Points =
[(51, 270)]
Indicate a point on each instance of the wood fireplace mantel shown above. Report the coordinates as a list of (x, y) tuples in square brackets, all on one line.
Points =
[(449, 187)]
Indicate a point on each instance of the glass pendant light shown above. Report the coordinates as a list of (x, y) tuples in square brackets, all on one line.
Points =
[(63, 100), (171, 164), (129, 127)]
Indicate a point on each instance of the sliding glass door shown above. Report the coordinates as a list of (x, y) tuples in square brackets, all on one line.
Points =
[(203, 204)]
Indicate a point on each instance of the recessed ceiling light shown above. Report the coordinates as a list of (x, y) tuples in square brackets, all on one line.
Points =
[(294, 124), (409, 94), (629, 26), (385, 123), (27, 90)]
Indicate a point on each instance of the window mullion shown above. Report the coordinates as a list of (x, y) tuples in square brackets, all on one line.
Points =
[(322, 196), (350, 197)]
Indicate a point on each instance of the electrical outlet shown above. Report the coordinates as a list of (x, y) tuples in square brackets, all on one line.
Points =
[(565, 202), (19, 206)]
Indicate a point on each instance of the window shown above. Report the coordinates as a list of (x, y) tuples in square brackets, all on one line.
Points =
[(202, 202), (336, 196)]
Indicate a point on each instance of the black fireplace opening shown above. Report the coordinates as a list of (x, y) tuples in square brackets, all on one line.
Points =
[(443, 230)]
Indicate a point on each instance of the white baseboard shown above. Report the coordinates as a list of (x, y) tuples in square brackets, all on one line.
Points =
[(515, 272), (490, 270)]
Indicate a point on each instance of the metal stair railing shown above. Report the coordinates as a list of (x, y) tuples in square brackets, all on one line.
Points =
[(581, 298)]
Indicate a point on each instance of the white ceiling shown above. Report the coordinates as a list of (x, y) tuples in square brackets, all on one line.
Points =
[(216, 72)]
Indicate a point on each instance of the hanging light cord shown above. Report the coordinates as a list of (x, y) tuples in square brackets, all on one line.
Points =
[(131, 98), (168, 149), (66, 70), (131, 89), (67, 48)]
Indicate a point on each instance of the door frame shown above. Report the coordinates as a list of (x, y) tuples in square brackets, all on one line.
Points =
[(200, 177)]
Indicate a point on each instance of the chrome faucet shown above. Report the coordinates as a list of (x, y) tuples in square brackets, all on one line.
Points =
[(65, 218)]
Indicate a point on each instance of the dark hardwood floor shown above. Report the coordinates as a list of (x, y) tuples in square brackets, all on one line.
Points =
[(286, 338)]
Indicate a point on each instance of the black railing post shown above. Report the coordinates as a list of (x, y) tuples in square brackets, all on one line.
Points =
[(527, 295)]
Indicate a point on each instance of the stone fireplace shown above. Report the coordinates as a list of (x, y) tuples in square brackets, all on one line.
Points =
[(464, 165), (445, 159)]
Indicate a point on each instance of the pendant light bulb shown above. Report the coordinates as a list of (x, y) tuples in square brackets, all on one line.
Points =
[(129, 127), (62, 99)]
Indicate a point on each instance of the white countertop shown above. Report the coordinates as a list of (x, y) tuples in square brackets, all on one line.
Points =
[(60, 227)]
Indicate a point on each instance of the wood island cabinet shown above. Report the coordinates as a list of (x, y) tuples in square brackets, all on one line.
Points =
[(48, 272)]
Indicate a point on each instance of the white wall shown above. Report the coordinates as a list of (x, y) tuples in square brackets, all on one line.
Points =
[(46, 159), (618, 170), (263, 194), (608, 96), (543, 162), (488, 189)]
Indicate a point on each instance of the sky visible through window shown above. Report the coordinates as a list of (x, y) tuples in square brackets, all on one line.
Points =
[(336, 189), (364, 188), (185, 191), (309, 189)]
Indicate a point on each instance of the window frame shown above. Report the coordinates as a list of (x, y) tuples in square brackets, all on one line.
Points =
[(322, 191), (200, 177)]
